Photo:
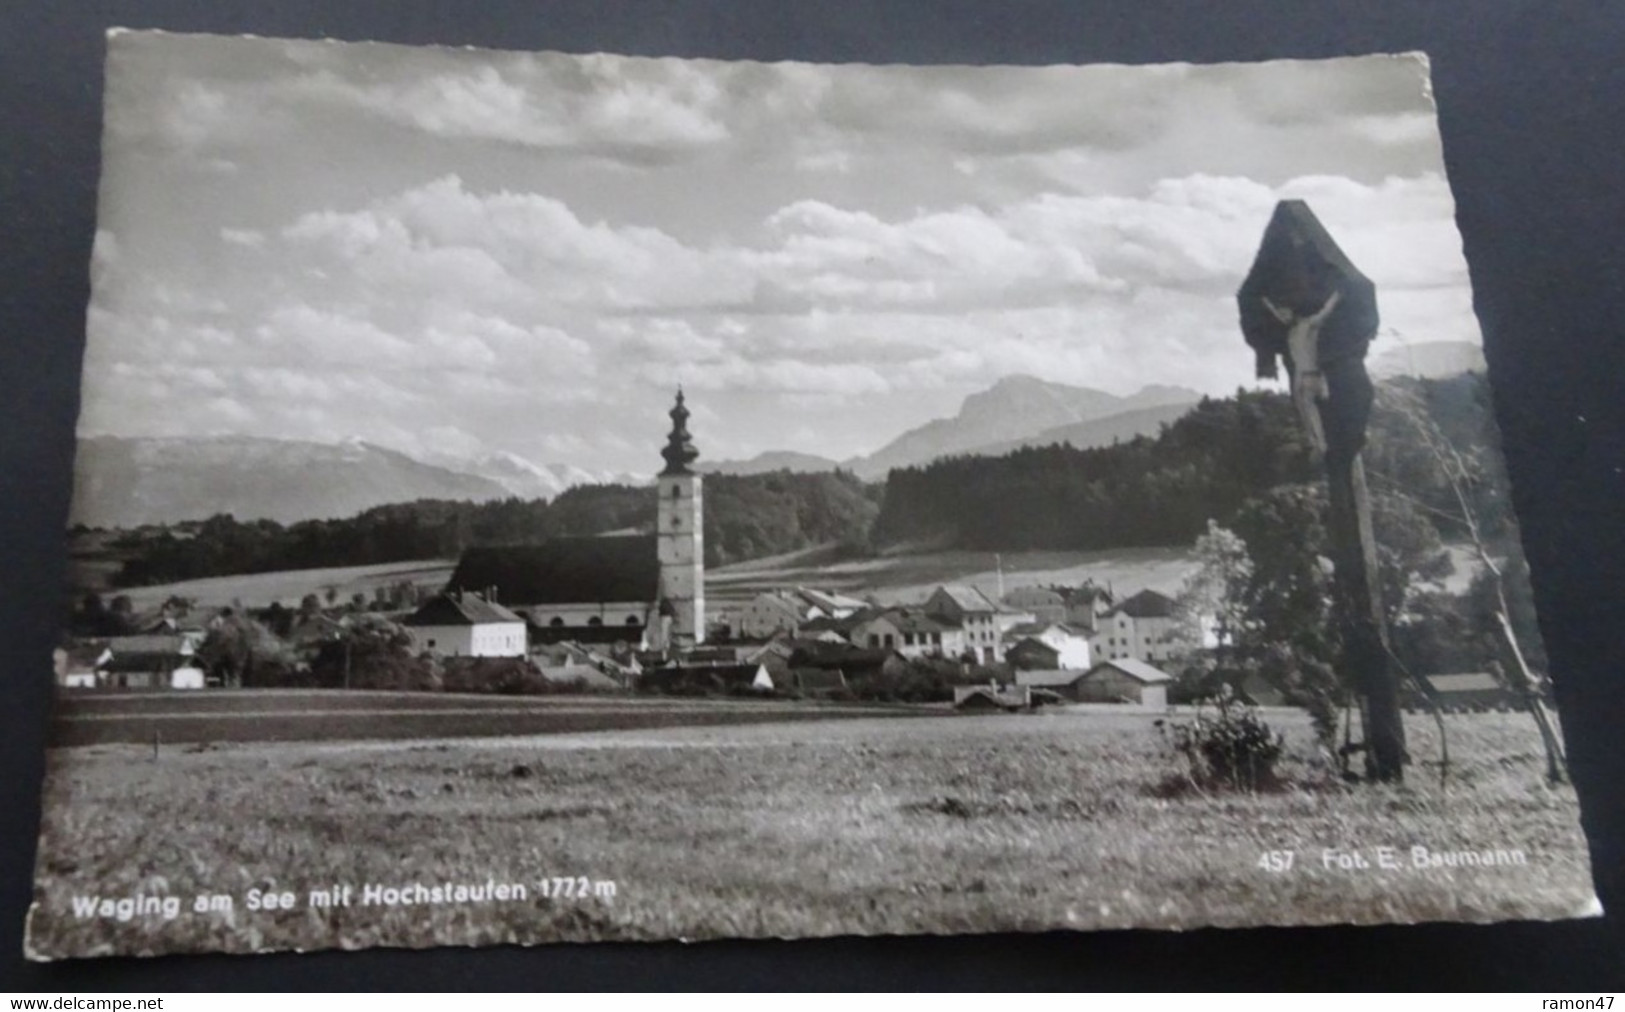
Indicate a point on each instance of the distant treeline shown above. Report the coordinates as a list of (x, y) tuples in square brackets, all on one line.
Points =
[(1161, 491), (1151, 491), (746, 516)]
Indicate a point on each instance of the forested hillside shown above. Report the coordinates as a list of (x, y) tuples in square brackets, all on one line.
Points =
[(1149, 491), (1162, 491), (746, 516)]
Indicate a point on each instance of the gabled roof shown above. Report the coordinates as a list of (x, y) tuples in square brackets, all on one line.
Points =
[(147, 661), (1474, 682), (909, 620), (591, 570), (1028, 643), (780, 597), (1039, 628), (1084, 594), (1049, 595), (829, 601), (459, 609), (1148, 604), (967, 598), (1051, 679), (159, 643), (1140, 671), (819, 679)]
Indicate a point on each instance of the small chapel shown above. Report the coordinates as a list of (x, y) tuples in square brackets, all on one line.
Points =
[(644, 590)]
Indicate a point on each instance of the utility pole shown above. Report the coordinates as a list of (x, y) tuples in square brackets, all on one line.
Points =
[(1304, 302)]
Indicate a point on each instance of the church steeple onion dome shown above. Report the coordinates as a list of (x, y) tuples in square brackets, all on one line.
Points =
[(679, 450)]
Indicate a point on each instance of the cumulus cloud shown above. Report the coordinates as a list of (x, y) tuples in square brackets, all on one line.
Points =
[(426, 248)]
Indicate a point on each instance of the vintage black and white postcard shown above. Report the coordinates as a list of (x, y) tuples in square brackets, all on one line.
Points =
[(535, 497)]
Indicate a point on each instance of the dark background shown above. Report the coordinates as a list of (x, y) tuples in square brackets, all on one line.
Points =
[(1532, 108)]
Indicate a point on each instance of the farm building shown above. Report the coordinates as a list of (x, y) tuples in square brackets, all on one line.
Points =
[(460, 624), (1257, 690), (818, 681), (1036, 645), (1469, 692), (852, 662), (992, 697), (1064, 682), (1125, 680), (150, 662), (643, 589)]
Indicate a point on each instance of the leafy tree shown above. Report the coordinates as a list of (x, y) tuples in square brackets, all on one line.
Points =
[(372, 653), (244, 653), (1288, 633)]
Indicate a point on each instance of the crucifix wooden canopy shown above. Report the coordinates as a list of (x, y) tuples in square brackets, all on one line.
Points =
[(1298, 268)]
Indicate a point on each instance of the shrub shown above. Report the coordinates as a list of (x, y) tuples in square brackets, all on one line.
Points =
[(1234, 748), (506, 676)]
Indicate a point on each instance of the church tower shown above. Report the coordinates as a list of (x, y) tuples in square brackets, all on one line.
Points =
[(681, 536)]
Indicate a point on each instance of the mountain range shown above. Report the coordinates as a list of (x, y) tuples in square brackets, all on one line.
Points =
[(126, 482), (1014, 412), (130, 481), (1429, 360)]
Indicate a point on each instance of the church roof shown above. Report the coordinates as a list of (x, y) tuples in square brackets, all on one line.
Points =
[(581, 570)]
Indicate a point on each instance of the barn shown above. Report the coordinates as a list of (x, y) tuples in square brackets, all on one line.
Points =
[(1125, 680), (1469, 692)]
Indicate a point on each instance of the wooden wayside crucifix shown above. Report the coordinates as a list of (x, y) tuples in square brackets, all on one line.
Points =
[(1304, 302)]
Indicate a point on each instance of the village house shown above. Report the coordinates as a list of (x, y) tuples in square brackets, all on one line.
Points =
[(787, 611), (770, 612), (982, 622), (461, 624), (646, 590), (1125, 680), (912, 633), (1047, 646), (166, 661), (1079, 607), (1044, 603), (1144, 627)]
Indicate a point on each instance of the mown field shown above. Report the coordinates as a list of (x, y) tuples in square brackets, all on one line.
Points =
[(175, 718), (901, 577), (932, 824)]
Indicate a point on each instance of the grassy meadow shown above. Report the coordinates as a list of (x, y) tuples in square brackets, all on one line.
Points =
[(1071, 819)]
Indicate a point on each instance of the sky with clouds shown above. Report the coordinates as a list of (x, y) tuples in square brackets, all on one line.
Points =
[(453, 252)]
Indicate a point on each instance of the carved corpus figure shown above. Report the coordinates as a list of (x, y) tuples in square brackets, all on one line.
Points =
[(1305, 302)]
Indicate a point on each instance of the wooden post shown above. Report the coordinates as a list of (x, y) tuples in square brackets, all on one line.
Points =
[(1365, 632), (1304, 302), (1528, 690)]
